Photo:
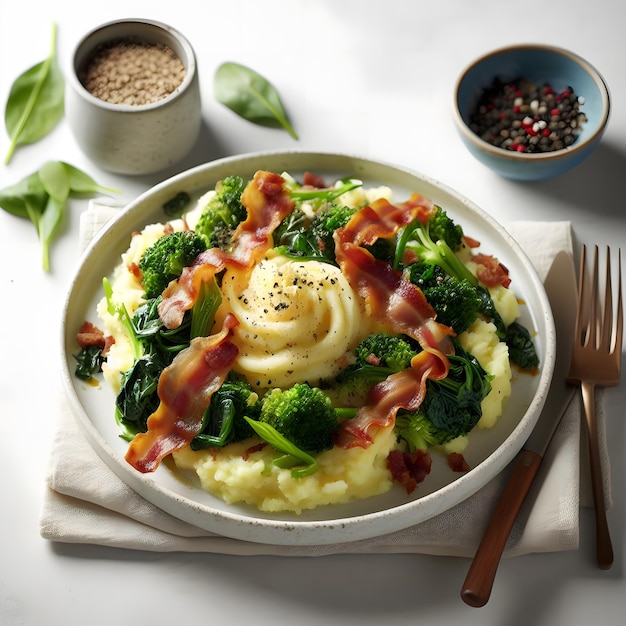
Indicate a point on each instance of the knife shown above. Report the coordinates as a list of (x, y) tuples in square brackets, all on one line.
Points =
[(560, 285)]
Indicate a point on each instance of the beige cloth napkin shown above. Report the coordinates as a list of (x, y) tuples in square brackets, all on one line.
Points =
[(85, 502)]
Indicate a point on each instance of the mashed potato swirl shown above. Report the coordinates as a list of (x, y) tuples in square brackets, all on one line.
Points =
[(297, 321)]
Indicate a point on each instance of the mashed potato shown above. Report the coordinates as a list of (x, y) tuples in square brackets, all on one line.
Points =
[(343, 475), (297, 321)]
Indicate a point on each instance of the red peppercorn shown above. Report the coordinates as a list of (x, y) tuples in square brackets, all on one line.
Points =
[(514, 115)]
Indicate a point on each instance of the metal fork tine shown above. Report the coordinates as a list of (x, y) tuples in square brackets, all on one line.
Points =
[(607, 331), (581, 329), (594, 322)]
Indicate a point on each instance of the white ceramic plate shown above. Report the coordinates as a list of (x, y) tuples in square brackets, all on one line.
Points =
[(488, 453)]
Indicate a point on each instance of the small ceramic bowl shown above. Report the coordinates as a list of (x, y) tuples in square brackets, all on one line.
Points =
[(541, 65), (134, 138)]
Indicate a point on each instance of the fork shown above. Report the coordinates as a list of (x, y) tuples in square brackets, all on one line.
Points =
[(596, 361)]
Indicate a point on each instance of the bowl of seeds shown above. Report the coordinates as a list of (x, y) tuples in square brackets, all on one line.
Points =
[(531, 111), (133, 98)]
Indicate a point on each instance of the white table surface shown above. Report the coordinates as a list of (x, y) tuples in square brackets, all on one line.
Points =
[(371, 78)]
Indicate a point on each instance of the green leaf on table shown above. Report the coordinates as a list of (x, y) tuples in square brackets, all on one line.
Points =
[(250, 96), (36, 102), (55, 180), (47, 227), (28, 191), (82, 183), (42, 198)]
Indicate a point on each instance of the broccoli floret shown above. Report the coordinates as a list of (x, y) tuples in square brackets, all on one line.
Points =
[(166, 258), (376, 357), (432, 246), (390, 351), (325, 223), (302, 414), (224, 419), (442, 227), (223, 213), (455, 300), (451, 406)]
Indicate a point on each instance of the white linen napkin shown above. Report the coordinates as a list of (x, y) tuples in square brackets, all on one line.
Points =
[(85, 501)]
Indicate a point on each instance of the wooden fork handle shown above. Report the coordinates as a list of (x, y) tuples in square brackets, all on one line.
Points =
[(604, 548), (482, 572)]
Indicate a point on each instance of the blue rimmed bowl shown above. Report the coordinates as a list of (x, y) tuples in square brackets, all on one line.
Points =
[(540, 64)]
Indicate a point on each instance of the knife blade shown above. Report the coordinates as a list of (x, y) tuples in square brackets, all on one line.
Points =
[(560, 285)]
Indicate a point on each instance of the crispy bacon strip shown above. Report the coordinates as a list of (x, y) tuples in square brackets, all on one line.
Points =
[(90, 335), (382, 219), (267, 202), (397, 303), (490, 271), (457, 462), (185, 390), (409, 468)]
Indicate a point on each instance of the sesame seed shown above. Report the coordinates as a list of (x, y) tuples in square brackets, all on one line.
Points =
[(130, 71)]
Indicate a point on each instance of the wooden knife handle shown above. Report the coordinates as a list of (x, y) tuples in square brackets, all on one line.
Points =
[(482, 572)]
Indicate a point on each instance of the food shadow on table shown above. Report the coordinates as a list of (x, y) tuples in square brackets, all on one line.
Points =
[(594, 187)]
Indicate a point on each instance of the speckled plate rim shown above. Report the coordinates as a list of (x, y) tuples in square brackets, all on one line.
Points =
[(363, 519)]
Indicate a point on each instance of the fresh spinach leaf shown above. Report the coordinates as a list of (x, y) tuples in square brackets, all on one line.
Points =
[(521, 348), (36, 102), (42, 198), (15, 198), (175, 206), (82, 183), (47, 227), (55, 180), (250, 96), (89, 361)]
